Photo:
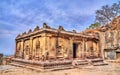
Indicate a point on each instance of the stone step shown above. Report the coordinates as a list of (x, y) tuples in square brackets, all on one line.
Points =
[(100, 64), (79, 62), (97, 62)]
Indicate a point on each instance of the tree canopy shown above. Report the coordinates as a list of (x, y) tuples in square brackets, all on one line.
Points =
[(107, 13), (94, 25)]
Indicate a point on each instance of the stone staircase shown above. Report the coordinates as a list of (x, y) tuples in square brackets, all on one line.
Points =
[(97, 62), (94, 62), (79, 62)]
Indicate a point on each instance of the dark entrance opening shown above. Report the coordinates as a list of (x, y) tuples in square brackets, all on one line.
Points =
[(74, 49)]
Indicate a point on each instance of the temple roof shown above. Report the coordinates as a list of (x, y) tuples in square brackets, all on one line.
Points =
[(49, 29)]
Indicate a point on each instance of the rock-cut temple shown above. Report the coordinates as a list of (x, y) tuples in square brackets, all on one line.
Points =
[(49, 47)]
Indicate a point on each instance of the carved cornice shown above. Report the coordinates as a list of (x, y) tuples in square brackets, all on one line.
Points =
[(45, 25), (47, 29), (37, 28), (30, 31)]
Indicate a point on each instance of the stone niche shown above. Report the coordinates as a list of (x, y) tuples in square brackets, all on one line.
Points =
[(26, 49), (63, 46)]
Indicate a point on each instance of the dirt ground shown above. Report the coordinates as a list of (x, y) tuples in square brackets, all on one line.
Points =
[(111, 69)]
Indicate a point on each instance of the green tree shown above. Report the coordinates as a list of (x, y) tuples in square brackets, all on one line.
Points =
[(94, 25)]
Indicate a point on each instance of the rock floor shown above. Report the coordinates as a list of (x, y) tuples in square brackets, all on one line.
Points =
[(111, 69)]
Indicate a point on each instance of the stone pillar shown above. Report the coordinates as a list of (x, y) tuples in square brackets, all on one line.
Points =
[(48, 42), (31, 48), (22, 48), (44, 42), (48, 46), (99, 49), (115, 38), (84, 48), (15, 55), (78, 51), (102, 44), (71, 47), (95, 49)]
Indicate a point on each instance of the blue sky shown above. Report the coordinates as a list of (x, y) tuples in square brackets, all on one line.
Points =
[(17, 16)]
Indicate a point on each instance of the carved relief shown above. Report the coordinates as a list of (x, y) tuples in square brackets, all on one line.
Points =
[(18, 50), (108, 39), (37, 49), (37, 28), (45, 25), (112, 38), (37, 44), (60, 51), (24, 33), (114, 24), (29, 31), (61, 28), (119, 38), (52, 52), (65, 53), (118, 35), (26, 49)]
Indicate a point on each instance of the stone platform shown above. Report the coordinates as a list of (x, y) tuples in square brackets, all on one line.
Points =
[(43, 65), (56, 64)]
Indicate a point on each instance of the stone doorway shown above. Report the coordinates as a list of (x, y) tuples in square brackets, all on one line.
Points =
[(75, 46)]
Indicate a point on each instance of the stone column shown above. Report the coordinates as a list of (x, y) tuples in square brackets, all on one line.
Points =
[(31, 47), (78, 51), (45, 36), (48, 42), (115, 37), (71, 47), (99, 49), (48, 45), (84, 48), (22, 48), (56, 44), (102, 44), (15, 55), (44, 42), (95, 50)]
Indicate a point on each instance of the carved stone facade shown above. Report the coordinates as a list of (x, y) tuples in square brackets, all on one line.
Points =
[(49, 43), (110, 38)]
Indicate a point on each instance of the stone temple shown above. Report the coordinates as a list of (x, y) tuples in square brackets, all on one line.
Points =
[(49, 48)]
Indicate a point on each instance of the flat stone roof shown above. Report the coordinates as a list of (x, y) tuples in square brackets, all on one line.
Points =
[(55, 31)]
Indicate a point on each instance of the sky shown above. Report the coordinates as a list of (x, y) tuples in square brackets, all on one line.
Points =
[(17, 16)]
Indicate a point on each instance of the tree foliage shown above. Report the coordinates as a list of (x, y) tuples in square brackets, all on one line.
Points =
[(107, 13), (94, 25)]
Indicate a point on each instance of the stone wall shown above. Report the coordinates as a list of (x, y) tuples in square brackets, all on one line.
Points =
[(109, 37)]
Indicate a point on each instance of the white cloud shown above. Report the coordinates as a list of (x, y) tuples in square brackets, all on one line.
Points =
[(7, 33)]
